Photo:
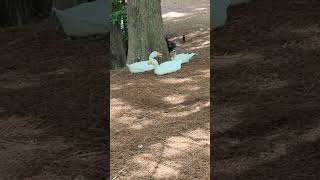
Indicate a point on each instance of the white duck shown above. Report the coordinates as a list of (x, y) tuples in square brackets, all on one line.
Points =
[(143, 66), (166, 67), (183, 57)]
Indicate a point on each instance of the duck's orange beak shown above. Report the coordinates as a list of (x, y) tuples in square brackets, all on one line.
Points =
[(159, 54), (149, 62)]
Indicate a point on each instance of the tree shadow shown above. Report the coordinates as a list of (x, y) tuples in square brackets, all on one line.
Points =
[(265, 112), (53, 127)]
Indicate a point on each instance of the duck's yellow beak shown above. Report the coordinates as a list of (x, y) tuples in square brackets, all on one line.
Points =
[(159, 54), (149, 62)]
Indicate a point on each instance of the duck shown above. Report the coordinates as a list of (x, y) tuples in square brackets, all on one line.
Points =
[(166, 67), (142, 66), (171, 45), (183, 57)]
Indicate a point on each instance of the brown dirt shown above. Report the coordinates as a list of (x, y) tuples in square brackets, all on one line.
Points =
[(168, 115), (52, 99), (266, 92)]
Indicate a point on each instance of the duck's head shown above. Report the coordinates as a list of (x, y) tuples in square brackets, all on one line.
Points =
[(174, 53), (155, 54)]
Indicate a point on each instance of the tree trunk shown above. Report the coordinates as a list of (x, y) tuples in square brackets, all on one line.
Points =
[(145, 30), (117, 48)]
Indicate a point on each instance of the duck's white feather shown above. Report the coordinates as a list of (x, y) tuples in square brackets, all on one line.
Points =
[(166, 67), (142, 66), (184, 57)]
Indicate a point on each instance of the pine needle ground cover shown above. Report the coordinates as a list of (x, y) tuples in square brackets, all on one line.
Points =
[(160, 124), (52, 102), (266, 91)]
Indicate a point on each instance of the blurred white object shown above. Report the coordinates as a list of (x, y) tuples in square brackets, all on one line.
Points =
[(143, 66), (166, 67), (86, 19), (184, 57)]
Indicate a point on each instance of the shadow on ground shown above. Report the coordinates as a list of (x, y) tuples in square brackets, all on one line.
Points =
[(53, 94), (266, 92)]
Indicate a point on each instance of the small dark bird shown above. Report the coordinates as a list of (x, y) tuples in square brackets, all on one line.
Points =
[(171, 45), (184, 38)]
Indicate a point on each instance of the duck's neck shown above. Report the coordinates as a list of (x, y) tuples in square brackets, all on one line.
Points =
[(152, 55), (155, 63)]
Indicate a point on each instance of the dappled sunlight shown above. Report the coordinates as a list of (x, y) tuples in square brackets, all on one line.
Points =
[(244, 163), (192, 88), (126, 120), (277, 151), (266, 121), (188, 110), (310, 40), (312, 135), (205, 44), (311, 43), (168, 169), (306, 30), (121, 114), (148, 166), (201, 9), (160, 124), (182, 144), (272, 84), (163, 160), (115, 87), (198, 14), (245, 58), (175, 80), (226, 119), (199, 40), (175, 99), (195, 34), (174, 15), (118, 107), (204, 34), (140, 124), (205, 73), (199, 134)]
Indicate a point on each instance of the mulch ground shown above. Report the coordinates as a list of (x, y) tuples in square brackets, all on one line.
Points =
[(160, 124), (265, 92), (53, 94)]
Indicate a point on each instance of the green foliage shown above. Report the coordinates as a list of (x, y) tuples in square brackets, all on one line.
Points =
[(119, 16)]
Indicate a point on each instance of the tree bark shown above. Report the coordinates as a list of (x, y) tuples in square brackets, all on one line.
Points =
[(117, 48), (145, 30)]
